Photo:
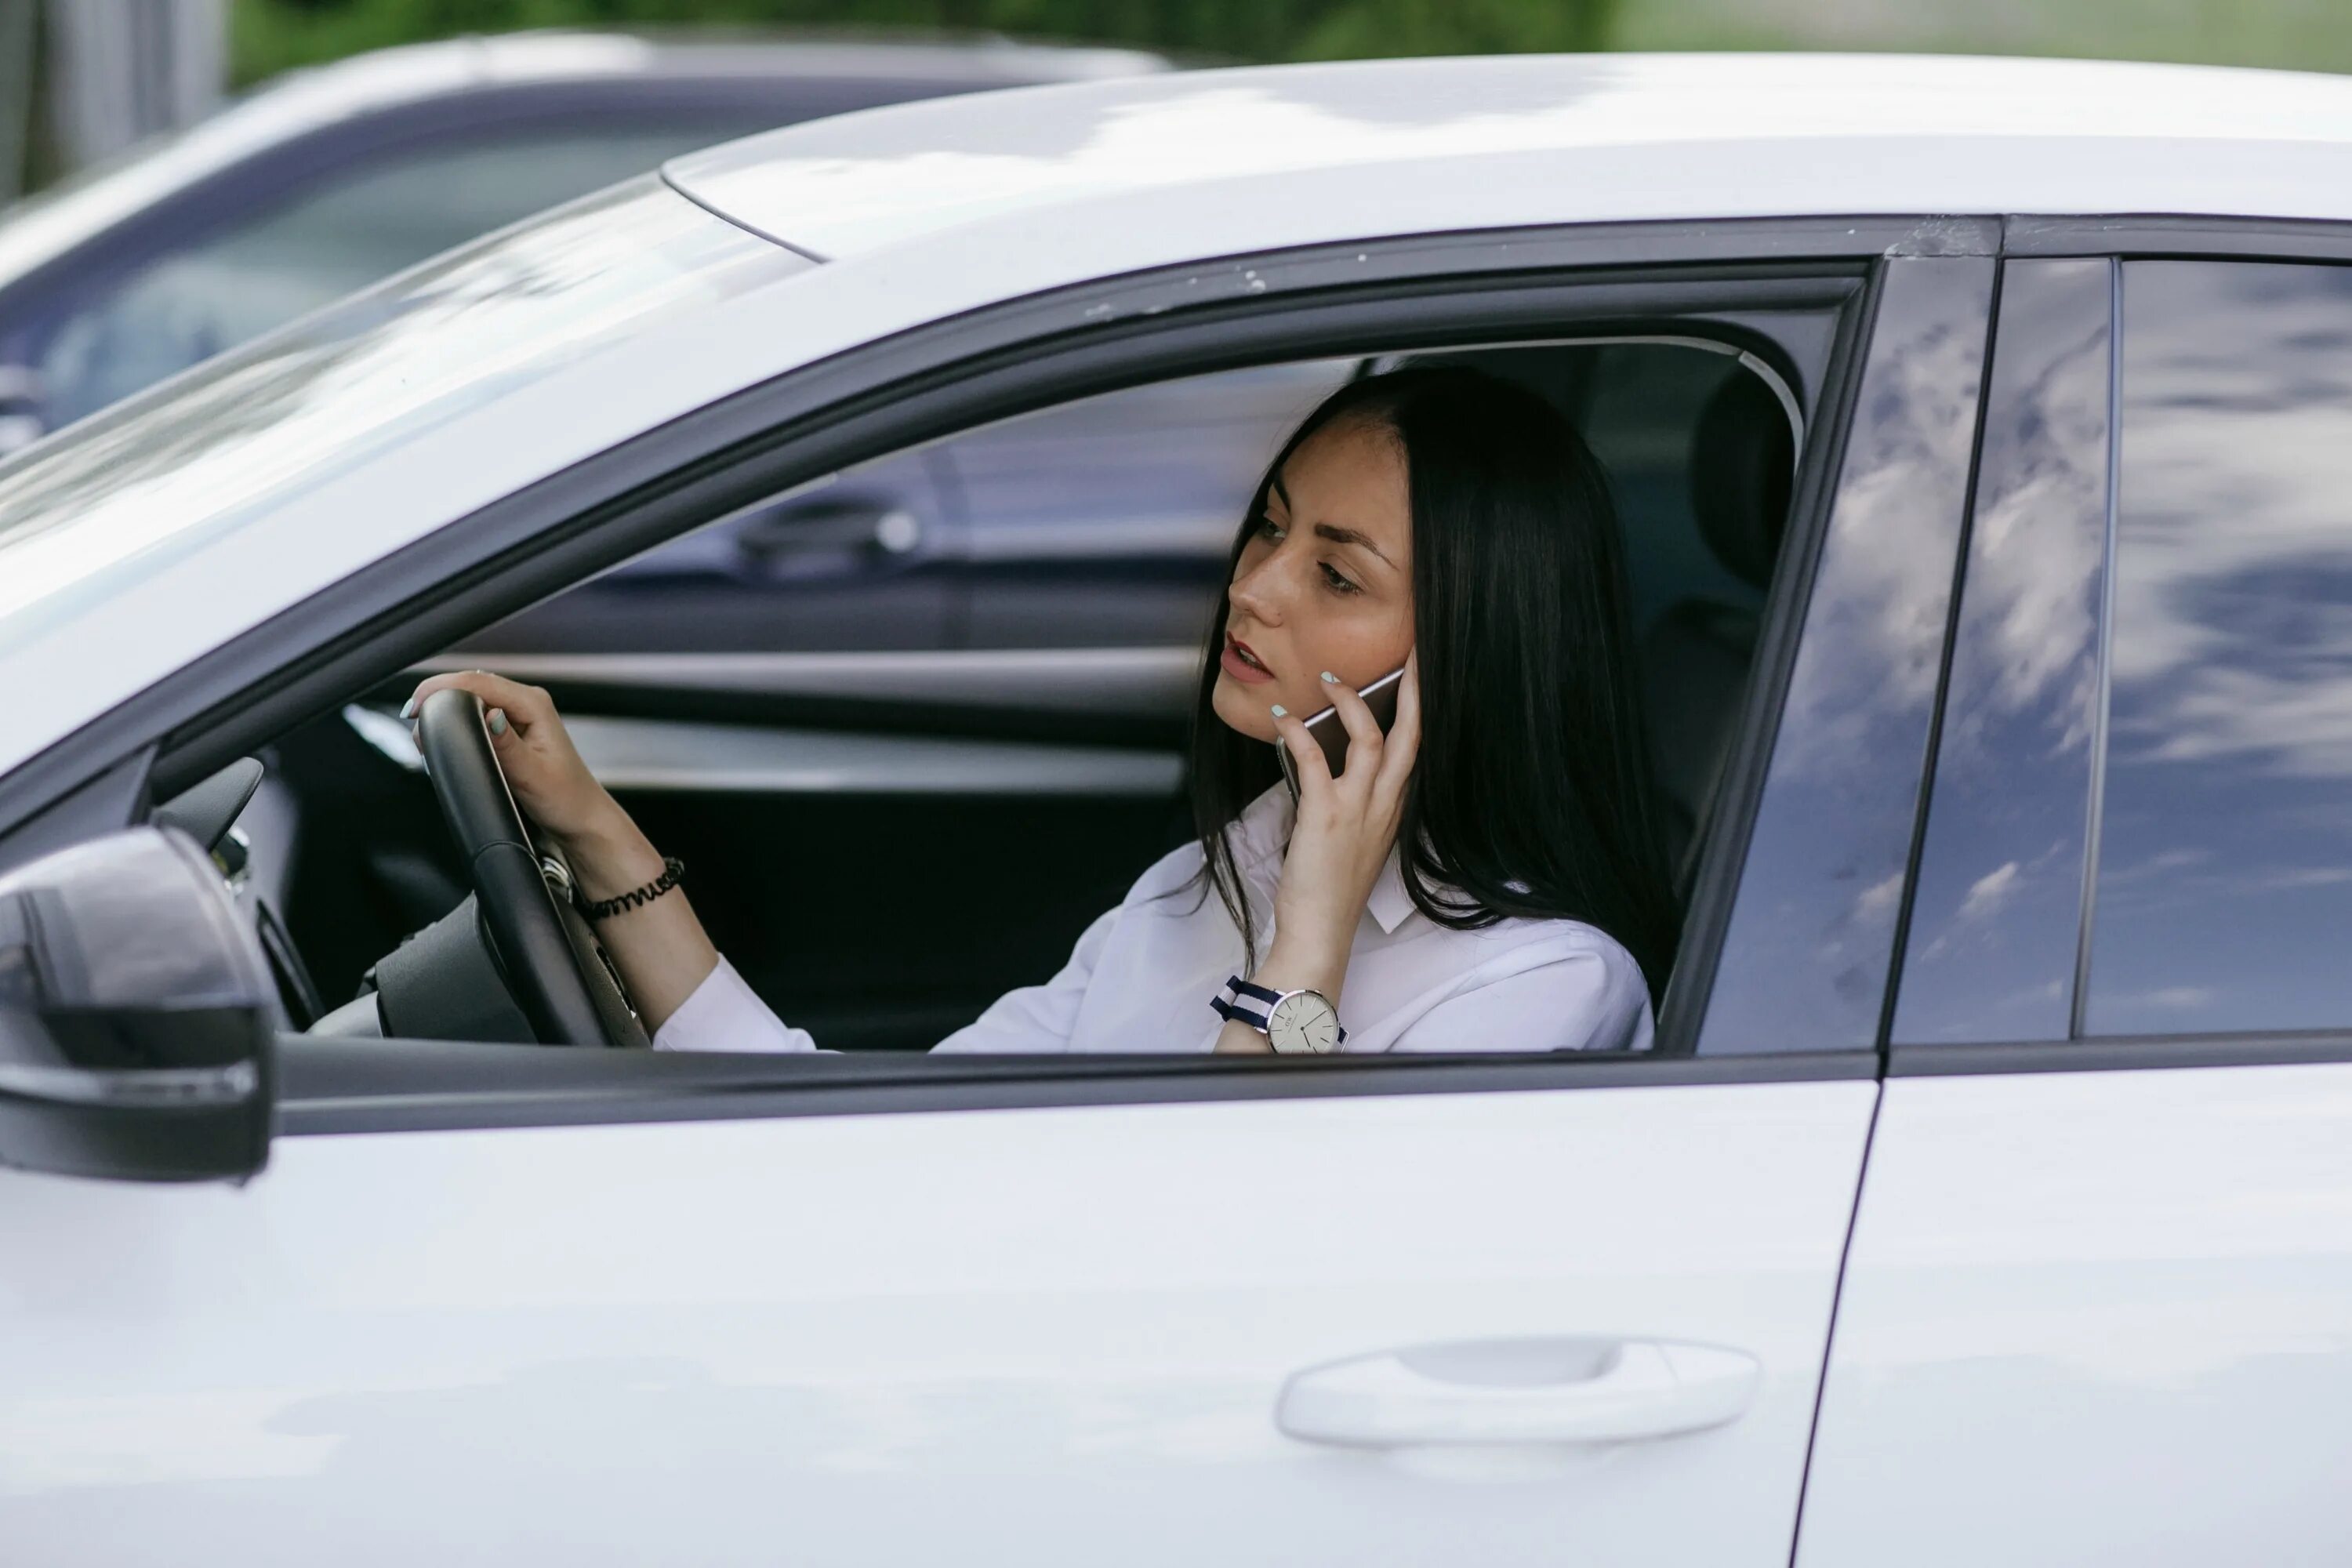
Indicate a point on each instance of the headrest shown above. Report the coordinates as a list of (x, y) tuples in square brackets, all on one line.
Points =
[(1742, 463)]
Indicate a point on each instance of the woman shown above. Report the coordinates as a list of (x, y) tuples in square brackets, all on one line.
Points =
[(1486, 876)]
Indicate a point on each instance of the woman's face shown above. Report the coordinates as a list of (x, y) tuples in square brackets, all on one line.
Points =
[(1324, 582)]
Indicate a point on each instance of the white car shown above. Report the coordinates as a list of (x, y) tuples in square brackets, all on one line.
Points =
[(1983, 433)]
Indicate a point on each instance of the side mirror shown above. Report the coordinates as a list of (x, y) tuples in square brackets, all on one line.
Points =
[(137, 1019)]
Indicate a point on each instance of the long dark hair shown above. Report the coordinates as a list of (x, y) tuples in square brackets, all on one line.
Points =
[(1532, 795)]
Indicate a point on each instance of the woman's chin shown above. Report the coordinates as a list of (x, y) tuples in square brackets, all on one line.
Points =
[(1247, 709)]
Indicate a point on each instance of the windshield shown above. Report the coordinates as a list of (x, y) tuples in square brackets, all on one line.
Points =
[(207, 291), (238, 436)]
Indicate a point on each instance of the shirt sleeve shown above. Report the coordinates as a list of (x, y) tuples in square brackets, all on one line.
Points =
[(1567, 999), (724, 1014), (1039, 1019)]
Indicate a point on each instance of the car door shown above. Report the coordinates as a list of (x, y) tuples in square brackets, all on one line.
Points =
[(2099, 1299), (1525, 1309)]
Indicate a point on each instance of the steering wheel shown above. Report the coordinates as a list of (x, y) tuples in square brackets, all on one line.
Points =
[(544, 949)]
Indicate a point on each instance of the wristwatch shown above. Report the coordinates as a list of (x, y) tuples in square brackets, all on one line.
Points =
[(1299, 1022)]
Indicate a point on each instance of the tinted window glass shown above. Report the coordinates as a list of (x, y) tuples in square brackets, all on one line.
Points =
[(1995, 919), (2224, 883), (236, 283), (1805, 958)]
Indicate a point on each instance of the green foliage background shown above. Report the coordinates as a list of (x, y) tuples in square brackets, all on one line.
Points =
[(2306, 35), (271, 34)]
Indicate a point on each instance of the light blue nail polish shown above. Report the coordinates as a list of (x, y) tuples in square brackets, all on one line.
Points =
[(498, 721), (1280, 711), (1329, 678), (409, 709)]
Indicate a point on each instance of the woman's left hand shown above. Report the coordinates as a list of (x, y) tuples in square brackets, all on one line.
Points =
[(1345, 828)]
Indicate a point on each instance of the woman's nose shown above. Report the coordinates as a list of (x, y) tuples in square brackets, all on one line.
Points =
[(1259, 591)]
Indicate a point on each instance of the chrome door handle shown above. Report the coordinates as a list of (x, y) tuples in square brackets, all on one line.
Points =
[(1565, 1390)]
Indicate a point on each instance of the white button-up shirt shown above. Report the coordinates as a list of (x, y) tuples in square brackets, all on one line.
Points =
[(1141, 976)]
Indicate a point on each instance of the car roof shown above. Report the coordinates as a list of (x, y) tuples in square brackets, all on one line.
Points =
[(1300, 153), (302, 102)]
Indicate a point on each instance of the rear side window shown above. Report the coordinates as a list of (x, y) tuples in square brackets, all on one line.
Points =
[(2223, 883)]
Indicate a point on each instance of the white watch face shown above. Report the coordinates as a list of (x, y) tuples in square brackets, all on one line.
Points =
[(1304, 1022)]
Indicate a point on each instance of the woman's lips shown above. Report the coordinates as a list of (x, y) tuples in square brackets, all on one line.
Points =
[(1235, 661)]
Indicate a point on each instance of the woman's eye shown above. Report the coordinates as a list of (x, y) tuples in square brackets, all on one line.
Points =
[(1269, 529), (1336, 582)]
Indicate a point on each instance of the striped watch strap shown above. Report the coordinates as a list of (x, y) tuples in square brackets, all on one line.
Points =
[(1253, 1004)]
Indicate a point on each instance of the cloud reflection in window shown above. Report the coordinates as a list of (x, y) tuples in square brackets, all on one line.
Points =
[(1995, 922), (1804, 963), (2225, 864)]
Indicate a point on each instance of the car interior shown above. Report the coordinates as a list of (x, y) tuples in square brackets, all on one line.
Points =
[(949, 681)]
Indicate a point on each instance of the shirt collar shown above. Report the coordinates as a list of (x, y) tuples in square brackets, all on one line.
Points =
[(1389, 903), (1264, 829)]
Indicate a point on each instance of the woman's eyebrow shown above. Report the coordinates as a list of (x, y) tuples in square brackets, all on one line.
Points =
[(1345, 536)]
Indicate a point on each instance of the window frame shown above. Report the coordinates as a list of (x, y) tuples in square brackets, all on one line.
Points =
[(1730, 281), (2119, 239)]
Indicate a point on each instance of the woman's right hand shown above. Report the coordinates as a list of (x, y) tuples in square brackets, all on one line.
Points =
[(542, 767), (660, 947)]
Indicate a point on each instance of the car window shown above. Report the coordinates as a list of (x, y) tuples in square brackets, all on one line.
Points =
[(1100, 524), (1812, 928), (1700, 451), (865, 563), (1996, 918), (1107, 523), (226, 285), (2224, 858)]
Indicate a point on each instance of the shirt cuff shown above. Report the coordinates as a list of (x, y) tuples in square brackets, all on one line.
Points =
[(726, 1014)]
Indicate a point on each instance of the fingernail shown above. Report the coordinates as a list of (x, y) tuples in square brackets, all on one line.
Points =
[(1280, 711), (409, 711), (1329, 678), (498, 721)]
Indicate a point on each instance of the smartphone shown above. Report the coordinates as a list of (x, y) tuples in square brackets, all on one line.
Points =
[(1331, 734)]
